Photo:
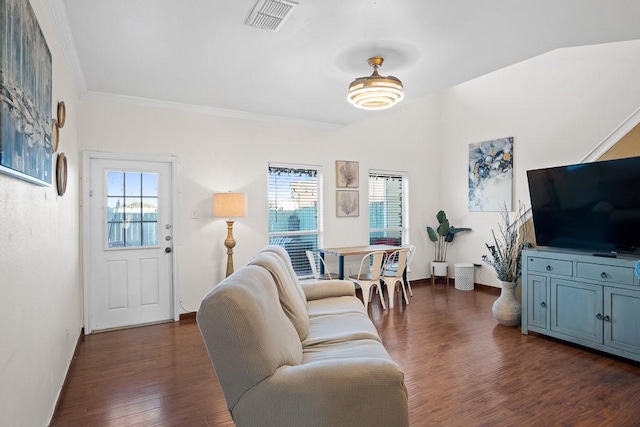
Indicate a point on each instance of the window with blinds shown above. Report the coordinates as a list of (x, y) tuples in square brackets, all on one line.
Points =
[(387, 208), (294, 205)]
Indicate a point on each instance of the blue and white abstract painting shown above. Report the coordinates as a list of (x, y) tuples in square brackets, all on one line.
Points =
[(491, 175), (25, 95)]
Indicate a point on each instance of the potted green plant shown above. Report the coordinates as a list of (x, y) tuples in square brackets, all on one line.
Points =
[(505, 256), (441, 237)]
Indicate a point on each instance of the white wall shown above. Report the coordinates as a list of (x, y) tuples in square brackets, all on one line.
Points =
[(405, 138), (219, 154), (40, 310), (557, 106)]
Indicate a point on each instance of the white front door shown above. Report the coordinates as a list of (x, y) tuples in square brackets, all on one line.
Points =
[(129, 238)]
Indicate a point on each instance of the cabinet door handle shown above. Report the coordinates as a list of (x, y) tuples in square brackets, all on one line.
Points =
[(543, 304), (549, 268), (607, 318), (604, 275), (599, 316)]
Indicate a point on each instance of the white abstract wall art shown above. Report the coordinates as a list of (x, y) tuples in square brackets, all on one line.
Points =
[(491, 175)]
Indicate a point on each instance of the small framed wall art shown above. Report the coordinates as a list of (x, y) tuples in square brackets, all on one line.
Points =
[(347, 174), (347, 203)]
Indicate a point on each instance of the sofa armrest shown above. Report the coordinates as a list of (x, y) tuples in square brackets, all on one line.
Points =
[(343, 392), (328, 288)]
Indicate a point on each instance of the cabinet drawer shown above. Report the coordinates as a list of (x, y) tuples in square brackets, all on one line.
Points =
[(605, 273), (552, 266)]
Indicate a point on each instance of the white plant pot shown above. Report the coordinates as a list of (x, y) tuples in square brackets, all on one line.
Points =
[(439, 268)]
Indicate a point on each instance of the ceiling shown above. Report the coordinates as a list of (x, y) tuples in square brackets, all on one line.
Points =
[(200, 53)]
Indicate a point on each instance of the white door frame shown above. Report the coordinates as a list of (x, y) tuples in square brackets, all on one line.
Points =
[(87, 156)]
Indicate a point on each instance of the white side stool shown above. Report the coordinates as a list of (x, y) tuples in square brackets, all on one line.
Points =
[(465, 276)]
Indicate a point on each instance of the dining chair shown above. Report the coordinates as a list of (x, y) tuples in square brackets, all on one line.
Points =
[(412, 252), (393, 272), (314, 261), (368, 277), (394, 266)]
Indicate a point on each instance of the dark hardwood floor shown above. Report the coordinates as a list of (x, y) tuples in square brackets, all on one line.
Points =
[(461, 368)]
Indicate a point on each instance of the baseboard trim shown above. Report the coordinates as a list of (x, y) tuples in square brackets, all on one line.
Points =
[(486, 288), (187, 316), (452, 282), (66, 375)]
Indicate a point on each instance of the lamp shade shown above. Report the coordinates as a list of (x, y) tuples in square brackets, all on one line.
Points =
[(229, 205)]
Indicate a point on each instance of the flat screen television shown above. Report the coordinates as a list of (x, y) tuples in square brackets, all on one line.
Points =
[(589, 206)]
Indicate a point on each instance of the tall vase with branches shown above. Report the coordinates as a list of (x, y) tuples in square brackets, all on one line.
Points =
[(505, 256)]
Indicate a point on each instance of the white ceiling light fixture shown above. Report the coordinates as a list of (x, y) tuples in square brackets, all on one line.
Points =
[(375, 92), (270, 14)]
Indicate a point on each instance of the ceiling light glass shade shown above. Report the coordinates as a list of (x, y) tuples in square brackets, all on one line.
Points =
[(375, 92)]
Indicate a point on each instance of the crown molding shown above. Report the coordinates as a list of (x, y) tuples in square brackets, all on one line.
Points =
[(205, 110), (58, 14)]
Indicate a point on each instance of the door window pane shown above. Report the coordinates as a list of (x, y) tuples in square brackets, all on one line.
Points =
[(149, 234), (115, 218), (133, 184), (132, 234), (115, 184), (132, 209), (150, 184), (150, 209)]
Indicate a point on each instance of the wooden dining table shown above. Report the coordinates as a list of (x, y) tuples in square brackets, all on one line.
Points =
[(342, 252)]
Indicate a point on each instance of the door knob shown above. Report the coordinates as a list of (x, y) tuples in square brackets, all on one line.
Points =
[(167, 250), (599, 316)]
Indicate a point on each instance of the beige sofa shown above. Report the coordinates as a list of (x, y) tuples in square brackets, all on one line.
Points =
[(288, 353)]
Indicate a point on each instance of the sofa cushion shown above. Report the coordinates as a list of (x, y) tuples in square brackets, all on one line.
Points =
[(293, 304), (356, 349), (327, 288), (353, 392), (335, 305), (340, 328), (284, 255), (247, 335)]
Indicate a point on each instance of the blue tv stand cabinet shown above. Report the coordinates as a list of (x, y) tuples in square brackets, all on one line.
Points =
[(577, 297)]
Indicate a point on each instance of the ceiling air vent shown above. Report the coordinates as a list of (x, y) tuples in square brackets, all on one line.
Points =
[(270, 14)]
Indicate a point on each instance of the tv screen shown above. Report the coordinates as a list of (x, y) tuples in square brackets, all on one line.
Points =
[(589, 206)]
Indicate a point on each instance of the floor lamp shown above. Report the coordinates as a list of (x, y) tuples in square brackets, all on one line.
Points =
[(229, 205)]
